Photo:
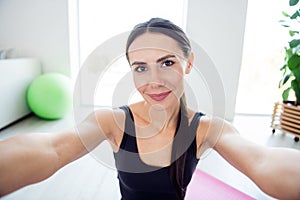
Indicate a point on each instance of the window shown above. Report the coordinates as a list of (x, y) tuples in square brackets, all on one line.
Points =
[(263, 55)]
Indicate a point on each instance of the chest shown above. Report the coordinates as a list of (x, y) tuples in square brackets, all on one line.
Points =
[(155, 151)]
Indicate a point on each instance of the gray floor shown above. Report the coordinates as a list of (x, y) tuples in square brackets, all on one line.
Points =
[(87, 178)]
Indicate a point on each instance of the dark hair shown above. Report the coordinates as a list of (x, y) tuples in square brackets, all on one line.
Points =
[(163, 26), (166, 27)]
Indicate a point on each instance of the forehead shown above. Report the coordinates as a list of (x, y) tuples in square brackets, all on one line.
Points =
[(153, 43)]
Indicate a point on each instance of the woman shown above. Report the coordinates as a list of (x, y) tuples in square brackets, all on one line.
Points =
[(157, 142)]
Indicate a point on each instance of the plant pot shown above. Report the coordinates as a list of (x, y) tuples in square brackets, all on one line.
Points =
[(286, 117), (295, 103)]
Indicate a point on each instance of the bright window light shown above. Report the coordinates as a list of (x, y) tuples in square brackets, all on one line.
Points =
[(263, 55)]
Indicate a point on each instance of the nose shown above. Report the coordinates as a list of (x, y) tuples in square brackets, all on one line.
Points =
[(156, 78)]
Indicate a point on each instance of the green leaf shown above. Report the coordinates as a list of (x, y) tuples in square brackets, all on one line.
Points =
[(285, 14), (283, 67), (296, 87), (293, 62), (285, 94), (293, 2), (296, 73), (284, 25), (288, 54), (294, 43), (292, 33), (285, 78), (295, 15), (279, 84), (285, 70)]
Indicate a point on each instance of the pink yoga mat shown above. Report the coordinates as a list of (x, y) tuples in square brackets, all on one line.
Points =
[(204, 186)]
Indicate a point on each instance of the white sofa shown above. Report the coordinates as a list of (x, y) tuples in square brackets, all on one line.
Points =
[(15, 77)]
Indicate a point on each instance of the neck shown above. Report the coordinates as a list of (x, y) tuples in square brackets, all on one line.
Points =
[(161, 119)]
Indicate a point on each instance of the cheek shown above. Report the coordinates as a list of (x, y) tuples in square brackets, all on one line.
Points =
[(178, 87), (175, 79), (176, 82), (139, 81), (142, 90)]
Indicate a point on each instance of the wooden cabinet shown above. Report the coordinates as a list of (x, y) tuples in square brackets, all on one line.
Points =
[(286, 117)]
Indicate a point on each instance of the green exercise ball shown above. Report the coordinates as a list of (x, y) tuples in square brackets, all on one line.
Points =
[(49, 96)]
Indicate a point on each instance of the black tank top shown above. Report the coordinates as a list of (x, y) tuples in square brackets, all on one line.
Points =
[(139, 181)]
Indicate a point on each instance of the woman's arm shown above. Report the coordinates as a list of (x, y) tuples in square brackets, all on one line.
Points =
[(30, 158), (275, 170)]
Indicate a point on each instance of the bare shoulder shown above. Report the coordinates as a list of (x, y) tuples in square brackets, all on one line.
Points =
[(103, 121), (210, 132), (102, 124), (111, 121)]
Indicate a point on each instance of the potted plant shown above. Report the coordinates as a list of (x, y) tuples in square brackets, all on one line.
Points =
[(286, 115)]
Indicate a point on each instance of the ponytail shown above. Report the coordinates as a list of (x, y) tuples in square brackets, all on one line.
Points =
[(180, 146)]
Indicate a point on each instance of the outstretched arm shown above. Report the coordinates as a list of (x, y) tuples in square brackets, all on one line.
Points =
[(274, 170), (30, 158)]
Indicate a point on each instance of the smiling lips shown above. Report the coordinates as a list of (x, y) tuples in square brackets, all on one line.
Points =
[(160, 96)]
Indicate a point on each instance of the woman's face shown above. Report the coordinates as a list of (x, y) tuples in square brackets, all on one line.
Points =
[(158, 66)]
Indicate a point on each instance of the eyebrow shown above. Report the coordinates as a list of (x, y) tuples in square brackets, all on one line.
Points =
[(157, 61)]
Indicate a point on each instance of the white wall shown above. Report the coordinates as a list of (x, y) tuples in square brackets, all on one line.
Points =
[(39, 29), (218, 27), (15, 77)]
